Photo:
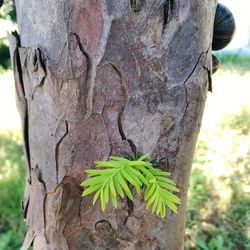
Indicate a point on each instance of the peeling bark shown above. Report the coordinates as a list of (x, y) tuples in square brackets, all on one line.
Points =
[(100, 78)]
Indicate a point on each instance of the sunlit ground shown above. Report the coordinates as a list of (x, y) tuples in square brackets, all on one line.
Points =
[(230, 93), (9, 118)]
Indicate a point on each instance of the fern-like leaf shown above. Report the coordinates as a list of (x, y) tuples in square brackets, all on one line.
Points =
[(116, 177), (157, 194), (159, 187)]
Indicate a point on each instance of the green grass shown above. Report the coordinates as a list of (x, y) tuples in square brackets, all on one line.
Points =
[(219, 202), (12, 176), (7, 13), (234, 63), (239, 122)]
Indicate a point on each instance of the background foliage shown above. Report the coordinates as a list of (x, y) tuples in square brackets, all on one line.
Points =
[(12, 176), (8, 10), (219, 195), (7, 13)]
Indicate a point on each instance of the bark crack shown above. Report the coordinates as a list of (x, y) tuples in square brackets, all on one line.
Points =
[(120, 115), (210, 72), (185, 82), (123, 84), (25, 208), (123, 136), (189, 76), (168, 8), (57, 150), (90, 77), (120, 126), (79, 212), (130, 209)]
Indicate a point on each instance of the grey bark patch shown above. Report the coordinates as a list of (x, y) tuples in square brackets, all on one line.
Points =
[(60, 204), (32, 70), (51, 35), (84, 240), (87, 138), (144, 132)]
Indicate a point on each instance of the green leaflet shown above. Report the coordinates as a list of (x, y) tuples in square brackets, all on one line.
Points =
[(140, 176), (143, 157), (171, 197), (151, 199), (93, 181), (140, 163), (118, 187), (91, 189), (171, 205), (103, 203), (112, 187), (156, 202), (148, 175), (160, 178), (119, 175), (149, 191), (135, 182), (125, 186), (168, 186), (106, 192), (163, 210), (96, 196), (121, 159), (158, 195), (114, 200), (160, 172), (94, 172)]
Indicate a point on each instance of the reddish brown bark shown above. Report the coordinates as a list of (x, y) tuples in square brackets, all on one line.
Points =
[(96, 78)]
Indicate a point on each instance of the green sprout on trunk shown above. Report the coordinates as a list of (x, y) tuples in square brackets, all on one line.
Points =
[(116, 177)]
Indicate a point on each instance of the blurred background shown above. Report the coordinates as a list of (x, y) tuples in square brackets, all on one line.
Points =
[(218, 215)]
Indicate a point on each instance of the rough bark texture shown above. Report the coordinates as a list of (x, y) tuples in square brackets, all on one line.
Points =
[(96, 78)]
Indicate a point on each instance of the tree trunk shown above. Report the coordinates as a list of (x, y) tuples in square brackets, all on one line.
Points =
[(96, 78)]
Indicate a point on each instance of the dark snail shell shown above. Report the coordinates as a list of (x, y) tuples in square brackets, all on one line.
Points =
[(1, 3), (224, 27)]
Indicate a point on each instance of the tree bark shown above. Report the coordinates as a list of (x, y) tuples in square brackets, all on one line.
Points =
[(96, 78)]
